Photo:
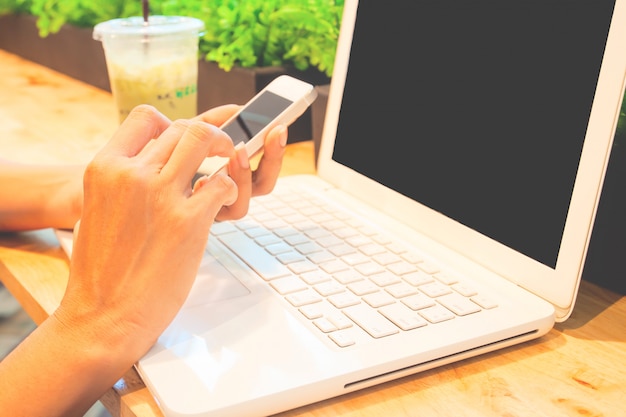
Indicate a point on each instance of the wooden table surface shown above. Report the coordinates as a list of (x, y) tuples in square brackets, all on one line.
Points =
[(577, 369)]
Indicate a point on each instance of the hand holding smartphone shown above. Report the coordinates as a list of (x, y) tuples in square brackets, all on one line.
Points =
[(282, 101)]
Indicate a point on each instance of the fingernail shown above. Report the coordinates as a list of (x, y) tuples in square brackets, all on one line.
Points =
[(283, 136), (242, 158)]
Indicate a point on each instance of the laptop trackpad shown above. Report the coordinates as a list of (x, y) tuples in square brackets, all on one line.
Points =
[(214, 283)]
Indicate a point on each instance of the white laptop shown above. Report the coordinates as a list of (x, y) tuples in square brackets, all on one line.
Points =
[(469, 140)]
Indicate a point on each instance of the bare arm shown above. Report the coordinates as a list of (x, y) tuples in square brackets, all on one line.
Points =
[(39, 196), (137, 249)]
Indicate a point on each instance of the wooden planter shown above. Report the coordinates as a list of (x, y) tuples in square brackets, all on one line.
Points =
[(318, 114), (73, 51)]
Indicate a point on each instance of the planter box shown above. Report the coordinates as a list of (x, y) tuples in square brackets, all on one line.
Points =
[(318, 114), (73, 51)]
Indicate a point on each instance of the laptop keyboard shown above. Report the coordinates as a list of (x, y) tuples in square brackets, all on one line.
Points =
[(340, 273)]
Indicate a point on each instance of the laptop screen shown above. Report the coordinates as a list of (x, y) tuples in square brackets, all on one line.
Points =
[(486, 128)]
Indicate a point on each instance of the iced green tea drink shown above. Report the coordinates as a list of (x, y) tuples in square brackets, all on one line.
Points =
[(154, 62)]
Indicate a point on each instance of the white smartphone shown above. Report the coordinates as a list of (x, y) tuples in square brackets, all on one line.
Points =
[(282, 101)]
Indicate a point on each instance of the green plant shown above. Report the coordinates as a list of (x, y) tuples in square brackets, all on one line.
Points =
[(247, 33), (14, 6), (263, 33), (52, 14)]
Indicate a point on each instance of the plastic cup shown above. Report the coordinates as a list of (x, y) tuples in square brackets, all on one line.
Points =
[(154, 62)]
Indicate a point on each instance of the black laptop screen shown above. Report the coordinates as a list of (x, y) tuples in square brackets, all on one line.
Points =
[(476, 108)]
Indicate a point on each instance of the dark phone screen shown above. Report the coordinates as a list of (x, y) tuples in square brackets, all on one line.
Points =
[(258, 114), (499, 95)]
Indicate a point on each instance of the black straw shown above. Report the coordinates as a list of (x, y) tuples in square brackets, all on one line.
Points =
[(146, 10)]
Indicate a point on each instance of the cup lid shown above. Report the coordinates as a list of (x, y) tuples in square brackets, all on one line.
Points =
[(156, 26)]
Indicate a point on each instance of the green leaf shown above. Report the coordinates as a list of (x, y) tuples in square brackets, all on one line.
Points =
[(248, 33)]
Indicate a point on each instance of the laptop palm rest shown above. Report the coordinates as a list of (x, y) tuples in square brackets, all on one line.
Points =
[(214, 283)]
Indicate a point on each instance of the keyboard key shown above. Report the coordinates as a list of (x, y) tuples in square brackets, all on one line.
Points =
[(446, 278), (385, 278), (354, 258), (302, 266), (340, 321), (363, 287), (333, 266), (277, 248), (341, 249), (369, 268), (403, 317), (267, 239), (344, 299), (484, 302), (418, 301), (435, 289), (418, 278), (401, 289), (254, 256), (308, 247), (345, 232), (330, 240), (358, 240), (379, 299), (288, 285), (255, 232), (219, 228), (342, 338), (436, 314), (315, 277), (428, 267), (321, 257), (402, 268), (348, 276), (372, 249), (290, 257), (324, 325), (311, 311), (329, 288), (371, 321), (464, 289), (317, 232), (296, 239), (458, 304), (302, 298), (386, 258)]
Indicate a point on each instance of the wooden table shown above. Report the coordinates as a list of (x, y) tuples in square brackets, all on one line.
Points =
[(577, 369)]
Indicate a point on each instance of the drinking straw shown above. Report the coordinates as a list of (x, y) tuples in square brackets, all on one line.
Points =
[(146, 10)]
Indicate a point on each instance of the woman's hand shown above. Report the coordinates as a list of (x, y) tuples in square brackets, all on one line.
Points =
[(143, 230)]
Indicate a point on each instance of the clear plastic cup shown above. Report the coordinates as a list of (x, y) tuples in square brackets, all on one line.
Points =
[(154, 62)]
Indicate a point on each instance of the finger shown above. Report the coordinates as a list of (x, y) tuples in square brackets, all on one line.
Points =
[(218, 115), (239, 171), (210, 194), (143, 124), (198, 141), (160, 150), (268, 170)]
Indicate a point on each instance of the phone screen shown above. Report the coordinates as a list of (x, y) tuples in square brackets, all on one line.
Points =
[(255, 116)]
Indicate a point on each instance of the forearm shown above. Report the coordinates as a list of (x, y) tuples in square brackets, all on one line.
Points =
[(61, 370), (33, 197)]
